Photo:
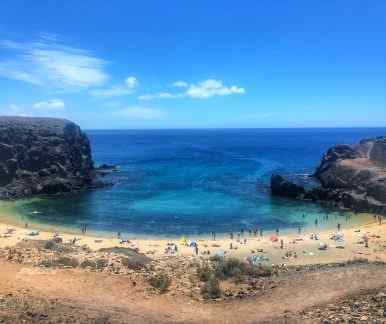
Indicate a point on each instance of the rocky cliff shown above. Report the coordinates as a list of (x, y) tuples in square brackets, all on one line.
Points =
[(352, 176), (42, 156)]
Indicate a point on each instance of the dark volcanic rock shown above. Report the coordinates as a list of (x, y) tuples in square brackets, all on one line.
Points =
[(285, 188), (42, 156), (357, 173), (351, 176)]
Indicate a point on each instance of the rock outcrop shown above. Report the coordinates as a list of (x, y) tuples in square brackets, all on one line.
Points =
[(43, 156), (352, 176), (283, 187)]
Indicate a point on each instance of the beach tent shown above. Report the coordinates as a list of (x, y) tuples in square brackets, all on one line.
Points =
[(193, 244)]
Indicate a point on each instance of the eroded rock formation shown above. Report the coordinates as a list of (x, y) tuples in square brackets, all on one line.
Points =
[(42, 156), (352, 176)]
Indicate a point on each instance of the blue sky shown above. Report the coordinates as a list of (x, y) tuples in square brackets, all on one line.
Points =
[(187, 64)]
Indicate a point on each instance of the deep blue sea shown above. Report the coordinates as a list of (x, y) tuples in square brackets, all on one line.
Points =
[(173, 182)]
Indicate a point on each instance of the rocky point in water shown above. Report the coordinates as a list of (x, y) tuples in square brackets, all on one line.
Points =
[(43, 156), (351, 176)]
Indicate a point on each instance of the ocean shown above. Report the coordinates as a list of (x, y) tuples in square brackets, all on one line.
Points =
[(192, 182)]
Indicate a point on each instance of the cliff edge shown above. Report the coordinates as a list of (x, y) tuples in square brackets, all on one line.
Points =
[(352, 176), (42, 156)]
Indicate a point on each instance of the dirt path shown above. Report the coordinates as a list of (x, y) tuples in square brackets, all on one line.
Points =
[(102, 296)]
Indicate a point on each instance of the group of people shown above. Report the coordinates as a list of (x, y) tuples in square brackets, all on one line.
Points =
[(84, 228)]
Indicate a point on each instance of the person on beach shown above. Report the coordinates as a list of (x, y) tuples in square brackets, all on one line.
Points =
[(196, 249), (366, 239), (380, 220), (282, 244), (231, 235), (214, 236)]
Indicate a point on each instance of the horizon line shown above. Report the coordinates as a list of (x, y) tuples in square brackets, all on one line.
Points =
[(238, 128)]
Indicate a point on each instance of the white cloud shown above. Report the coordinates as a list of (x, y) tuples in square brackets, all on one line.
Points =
[(131, 82), (180, 84), (53, 104), (118, 90), (204, 89), (210, 88), (137, 112), (48, 63), (159, 95)]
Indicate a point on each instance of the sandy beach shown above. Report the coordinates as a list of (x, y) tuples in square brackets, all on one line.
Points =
[(289, 249)]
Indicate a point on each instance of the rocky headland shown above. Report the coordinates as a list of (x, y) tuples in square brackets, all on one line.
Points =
[(349, 176), (43, 156)]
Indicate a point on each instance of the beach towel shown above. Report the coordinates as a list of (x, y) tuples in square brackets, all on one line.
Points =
[(273, 238)]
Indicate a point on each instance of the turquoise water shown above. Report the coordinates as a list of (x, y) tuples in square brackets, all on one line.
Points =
[(173, 182)]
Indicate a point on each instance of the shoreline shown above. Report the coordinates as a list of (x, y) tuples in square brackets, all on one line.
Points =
[(297, 249)]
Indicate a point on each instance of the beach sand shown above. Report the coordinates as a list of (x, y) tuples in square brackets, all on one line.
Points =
[(306, 249)]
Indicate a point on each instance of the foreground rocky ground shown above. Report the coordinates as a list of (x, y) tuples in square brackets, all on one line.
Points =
[(52, 282)]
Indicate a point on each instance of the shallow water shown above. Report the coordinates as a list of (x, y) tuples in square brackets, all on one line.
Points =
[(174, 182)]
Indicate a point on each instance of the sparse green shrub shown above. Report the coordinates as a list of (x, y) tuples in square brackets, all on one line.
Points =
[(48, 263), (160, 282), (50, 245), (265, 271), (101, 263), (103, 319), (67, 261), (88, 264), (211, 288), (133, 263), (229, 268), (116, 268)]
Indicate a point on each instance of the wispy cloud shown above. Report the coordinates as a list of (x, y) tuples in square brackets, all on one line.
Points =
[(118, 90), (180, 84), (160, 95), (47, 63), (53, 104), (52, 107), (140, 113), (210, 88), (201, 90)]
